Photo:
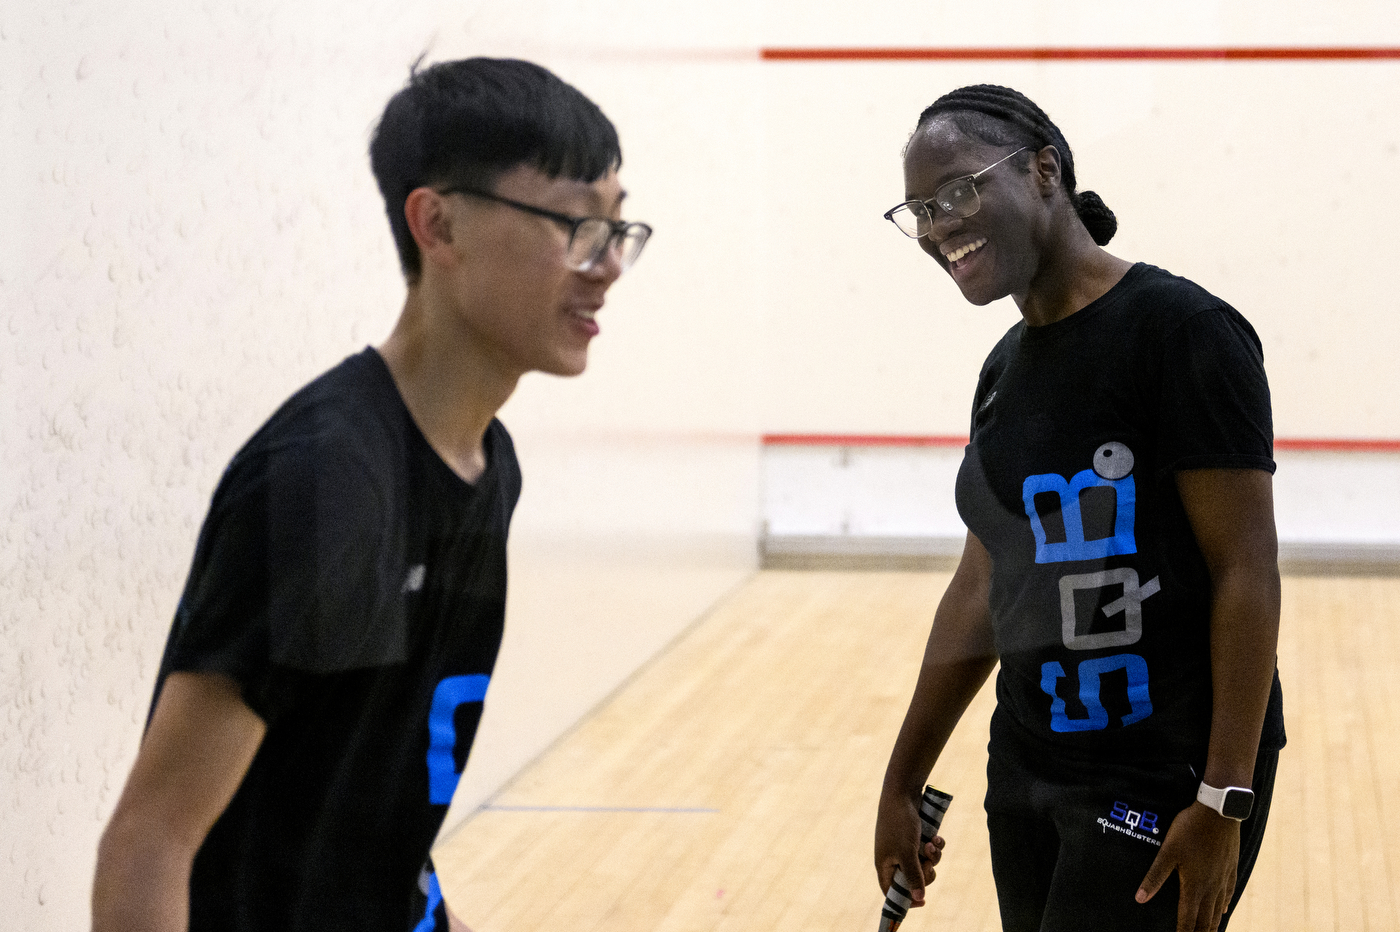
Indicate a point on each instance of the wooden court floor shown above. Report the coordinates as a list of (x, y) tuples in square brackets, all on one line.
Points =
[(731, 784)]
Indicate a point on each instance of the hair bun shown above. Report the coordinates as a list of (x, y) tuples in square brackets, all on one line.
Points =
[(1097, 218)]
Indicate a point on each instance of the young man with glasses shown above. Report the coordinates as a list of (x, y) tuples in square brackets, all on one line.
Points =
[(324, 676)]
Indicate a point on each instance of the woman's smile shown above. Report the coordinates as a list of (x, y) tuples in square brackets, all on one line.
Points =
[(955, 252)]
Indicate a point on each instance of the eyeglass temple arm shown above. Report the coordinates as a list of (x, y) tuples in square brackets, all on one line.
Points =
[(996, 163)]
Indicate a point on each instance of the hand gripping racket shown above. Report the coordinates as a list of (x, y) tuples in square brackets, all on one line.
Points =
[(897, 901)]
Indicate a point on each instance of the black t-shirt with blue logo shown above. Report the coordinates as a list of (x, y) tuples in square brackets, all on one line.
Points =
[(1100, 597), (354, 587)]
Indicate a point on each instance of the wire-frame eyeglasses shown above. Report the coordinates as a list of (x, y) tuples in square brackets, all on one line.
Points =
[(958, 197), (589, 237)]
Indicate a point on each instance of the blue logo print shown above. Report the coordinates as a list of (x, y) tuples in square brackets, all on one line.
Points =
[(1090, 670), (450, 695), (1113, 464), (1132, 823), (1113, 467), (1147, 821)]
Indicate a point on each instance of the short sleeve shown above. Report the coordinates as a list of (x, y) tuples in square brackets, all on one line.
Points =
[(1214, 403), (297, 570)]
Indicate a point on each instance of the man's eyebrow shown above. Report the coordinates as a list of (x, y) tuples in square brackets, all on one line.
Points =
[(599, 197)]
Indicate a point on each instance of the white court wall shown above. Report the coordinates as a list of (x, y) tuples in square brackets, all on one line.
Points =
[(193, 232), (1271, 184)]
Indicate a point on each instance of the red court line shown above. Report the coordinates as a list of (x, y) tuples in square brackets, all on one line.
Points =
[(860, 440), (1329, 445), (1325, 445), (1277, 53)]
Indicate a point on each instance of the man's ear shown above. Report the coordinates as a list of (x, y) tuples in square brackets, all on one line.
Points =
[(429, 222)]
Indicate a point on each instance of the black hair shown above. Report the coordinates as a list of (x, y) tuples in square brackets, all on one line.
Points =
[(1001, 116), (467, 122)]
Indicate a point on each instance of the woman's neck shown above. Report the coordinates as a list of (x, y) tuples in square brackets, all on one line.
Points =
[(1069, 280)]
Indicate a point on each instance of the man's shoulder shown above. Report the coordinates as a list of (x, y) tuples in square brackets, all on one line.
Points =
[(351, 411), (501, 451), (357, 396)]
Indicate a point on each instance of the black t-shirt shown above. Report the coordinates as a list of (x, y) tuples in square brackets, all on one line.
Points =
[(354, 587), (1100, 597)]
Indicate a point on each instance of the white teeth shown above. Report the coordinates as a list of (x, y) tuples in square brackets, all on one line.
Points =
[(958, 253), (586, 314)]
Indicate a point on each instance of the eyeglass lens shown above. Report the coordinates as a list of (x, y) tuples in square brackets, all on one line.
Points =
[(959, 198), (593, 237)]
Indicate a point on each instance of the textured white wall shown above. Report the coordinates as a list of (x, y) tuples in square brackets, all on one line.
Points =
[(186, 237), (191, 233)]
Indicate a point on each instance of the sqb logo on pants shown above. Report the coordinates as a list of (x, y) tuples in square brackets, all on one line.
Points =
[(1145, 821), (1132, 823)]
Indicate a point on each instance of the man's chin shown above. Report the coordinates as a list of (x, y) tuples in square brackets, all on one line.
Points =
[(568, 366)]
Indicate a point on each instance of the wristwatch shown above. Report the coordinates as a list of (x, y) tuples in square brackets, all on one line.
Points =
[(1233, 802)]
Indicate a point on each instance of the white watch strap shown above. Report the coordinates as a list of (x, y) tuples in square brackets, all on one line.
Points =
[(1211, 796), (1214, 797)]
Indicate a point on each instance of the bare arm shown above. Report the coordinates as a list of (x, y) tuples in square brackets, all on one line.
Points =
[(957, 661), (200, 743), (1232, 515)]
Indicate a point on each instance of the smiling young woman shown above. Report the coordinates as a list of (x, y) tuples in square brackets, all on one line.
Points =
[(1045, 232), (1121, 560)]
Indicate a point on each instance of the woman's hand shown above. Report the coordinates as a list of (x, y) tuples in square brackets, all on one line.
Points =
[(897, 832), (1203, 847)]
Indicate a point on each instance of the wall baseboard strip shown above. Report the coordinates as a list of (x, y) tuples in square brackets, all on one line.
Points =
[(858, 552), (867, 552), (1338, 558)]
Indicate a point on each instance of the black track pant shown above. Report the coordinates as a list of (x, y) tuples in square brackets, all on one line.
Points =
[(1071, 842)]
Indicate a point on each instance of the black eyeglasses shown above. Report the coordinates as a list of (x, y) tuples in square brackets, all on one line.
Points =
[(958, 197), (589, 237)]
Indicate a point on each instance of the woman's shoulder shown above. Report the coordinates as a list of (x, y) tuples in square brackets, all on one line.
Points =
[(1157, 303), (1004, 348), (1151, 288), (1168, 309)]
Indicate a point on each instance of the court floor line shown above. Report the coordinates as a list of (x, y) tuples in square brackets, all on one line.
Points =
[(492, 807)]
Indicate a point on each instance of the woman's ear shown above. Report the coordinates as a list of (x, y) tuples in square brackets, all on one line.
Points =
[(1046, 166)]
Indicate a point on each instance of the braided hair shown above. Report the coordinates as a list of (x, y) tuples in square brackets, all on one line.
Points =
[(1001, 116)]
